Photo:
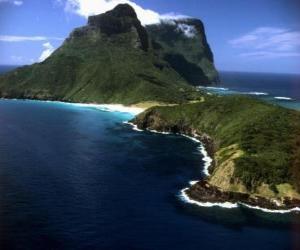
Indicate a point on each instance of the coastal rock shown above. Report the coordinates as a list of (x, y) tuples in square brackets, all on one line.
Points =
[(184, 46), (203, 191), (121, 19), (237, 174)]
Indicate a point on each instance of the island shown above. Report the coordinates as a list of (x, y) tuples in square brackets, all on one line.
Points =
[(255, 146)]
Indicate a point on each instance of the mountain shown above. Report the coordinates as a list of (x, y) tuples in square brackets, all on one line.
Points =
[(114, 59), (254, 144), (183, 44)]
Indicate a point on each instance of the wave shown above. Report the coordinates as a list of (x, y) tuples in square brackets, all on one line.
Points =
[(134, 127), (158, 132), (184, 197), (206, 159), (215, 88), (283, 98), (256, 93), (281, 211), (187, 199)]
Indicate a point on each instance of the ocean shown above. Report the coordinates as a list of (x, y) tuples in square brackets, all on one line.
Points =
[(76, 177), (281, 89)]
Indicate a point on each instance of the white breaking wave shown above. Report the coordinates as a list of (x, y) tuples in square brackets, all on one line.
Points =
[(256, 93), (158, 132), (134, 127), (283, 98), (206, 159), (183, 196), (281, 211), (187, 199), (215, 88)]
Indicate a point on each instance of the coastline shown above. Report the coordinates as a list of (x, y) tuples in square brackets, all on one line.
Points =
[(184, 196), (132, 109), (205, 149)]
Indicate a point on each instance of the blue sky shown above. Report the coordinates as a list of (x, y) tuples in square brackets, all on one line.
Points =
[(257, 35)]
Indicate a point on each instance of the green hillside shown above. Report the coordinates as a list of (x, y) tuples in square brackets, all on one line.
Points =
[(111, 60), (256, 144)]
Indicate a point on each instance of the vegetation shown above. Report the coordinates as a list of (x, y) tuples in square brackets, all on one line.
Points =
[(188, 53), (111, 60), (116, 60), (267, 135)]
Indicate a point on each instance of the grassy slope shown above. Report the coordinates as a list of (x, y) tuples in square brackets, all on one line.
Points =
[(100, 70), (266, 136)]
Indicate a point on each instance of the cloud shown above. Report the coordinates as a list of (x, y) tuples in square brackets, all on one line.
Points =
[(87, 8), (188, 30), (48, 50), (268, 42), (16, 3), (5, 38)]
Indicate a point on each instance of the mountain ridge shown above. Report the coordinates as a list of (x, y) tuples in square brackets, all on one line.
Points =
[(110, 60)]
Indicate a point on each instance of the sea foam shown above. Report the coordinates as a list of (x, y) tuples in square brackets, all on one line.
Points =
[(187, 199), (256, 93), (283, 98)]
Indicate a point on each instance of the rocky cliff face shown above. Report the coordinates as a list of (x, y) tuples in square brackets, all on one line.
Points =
[(184, 46), (110, 60), (246, 168)]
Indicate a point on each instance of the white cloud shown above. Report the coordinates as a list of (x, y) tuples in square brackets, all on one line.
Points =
[(16, 3), (188, 30), (48, 50), (268, 42), (87, 8), (5, 38)]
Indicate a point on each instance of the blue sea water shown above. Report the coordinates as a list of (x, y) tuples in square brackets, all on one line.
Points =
[(281, 89), (74, 177)]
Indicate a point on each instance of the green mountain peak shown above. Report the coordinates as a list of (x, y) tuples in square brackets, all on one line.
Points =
[(114, 59)]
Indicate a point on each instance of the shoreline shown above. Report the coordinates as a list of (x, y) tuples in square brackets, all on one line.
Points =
[(201, 148), (229, 205), (208, 161), (132, 109)]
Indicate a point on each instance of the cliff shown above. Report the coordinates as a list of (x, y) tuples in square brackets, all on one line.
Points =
[(183, 44), (110, 60), (255, 146)]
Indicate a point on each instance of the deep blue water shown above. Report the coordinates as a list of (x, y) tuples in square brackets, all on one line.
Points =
[(267, 86), (78, 178), (284, 85)]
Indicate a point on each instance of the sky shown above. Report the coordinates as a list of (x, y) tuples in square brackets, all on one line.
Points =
[(250, 36)]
